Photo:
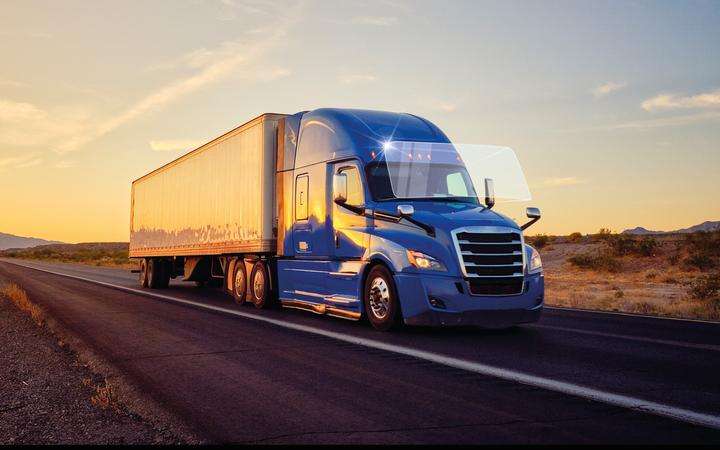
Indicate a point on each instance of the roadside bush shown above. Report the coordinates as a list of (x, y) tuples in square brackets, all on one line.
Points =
[(603, 235), (622, 245), (703, 250), (540, 241), (602, 261), (575, 237), (706, 287)]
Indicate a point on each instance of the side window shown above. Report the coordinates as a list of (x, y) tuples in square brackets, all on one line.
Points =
[(354, 186), (301, 198), (456, 185)]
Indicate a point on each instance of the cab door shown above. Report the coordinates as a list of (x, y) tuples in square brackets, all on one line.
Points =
[(349, 229)]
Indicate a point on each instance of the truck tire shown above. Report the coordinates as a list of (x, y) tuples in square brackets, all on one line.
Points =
[(155, 273), (239, 282), (260, 286), (165, 269), (143, 278), (382, 306)]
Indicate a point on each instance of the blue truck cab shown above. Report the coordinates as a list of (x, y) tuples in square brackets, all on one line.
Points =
[(349, 246)]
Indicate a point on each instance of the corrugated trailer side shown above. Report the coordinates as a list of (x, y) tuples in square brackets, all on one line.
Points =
[(217, 199)]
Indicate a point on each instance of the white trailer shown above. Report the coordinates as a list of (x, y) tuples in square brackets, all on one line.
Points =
[(217, 199)]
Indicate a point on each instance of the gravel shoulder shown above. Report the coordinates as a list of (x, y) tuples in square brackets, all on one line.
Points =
[(47, 396)]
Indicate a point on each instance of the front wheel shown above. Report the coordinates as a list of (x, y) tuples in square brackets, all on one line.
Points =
[(382, 306)]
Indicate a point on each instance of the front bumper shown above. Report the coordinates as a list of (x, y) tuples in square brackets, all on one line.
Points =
[(456, 308)]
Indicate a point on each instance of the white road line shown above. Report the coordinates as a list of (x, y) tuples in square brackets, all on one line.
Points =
[(575, 390)]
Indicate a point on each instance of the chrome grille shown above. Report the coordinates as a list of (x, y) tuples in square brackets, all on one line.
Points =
[(492, 259)]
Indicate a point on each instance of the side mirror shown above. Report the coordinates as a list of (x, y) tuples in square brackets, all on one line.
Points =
[(340, 188), (489, 193), (405, 210), (533, 214)]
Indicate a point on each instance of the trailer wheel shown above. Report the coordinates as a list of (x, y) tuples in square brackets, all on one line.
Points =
[(143, 278), (164, 273), (382, 306), (239, 282), (152, 273), (158, 276), (260, 286)]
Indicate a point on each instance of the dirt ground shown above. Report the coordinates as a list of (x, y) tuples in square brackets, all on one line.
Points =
[(643, 284), (47, 396)]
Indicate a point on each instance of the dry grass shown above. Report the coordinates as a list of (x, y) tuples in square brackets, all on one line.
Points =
[(674, 276), (106, 254), (105, 396), (19, 297)]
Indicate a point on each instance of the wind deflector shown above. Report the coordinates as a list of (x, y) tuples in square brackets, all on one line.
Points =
[(443, 170)]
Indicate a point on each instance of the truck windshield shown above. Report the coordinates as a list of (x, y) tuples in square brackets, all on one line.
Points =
[(441, 182), (445, 172)]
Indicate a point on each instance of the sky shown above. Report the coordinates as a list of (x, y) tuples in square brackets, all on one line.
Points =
[(613, 107)]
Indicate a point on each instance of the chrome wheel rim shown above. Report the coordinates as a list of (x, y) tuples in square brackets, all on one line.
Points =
[(379, 298), (239, 283), (259, 284)]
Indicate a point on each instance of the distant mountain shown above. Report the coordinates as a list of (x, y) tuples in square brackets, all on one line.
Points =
[(705, 226), (12, 241)]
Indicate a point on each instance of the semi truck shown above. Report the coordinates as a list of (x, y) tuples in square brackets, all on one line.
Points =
[(344, 212)]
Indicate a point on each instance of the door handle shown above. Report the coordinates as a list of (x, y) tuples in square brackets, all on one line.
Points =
[(337, 239)]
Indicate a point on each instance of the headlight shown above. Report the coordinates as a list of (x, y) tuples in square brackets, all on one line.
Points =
[(535, 263), (423, 261)]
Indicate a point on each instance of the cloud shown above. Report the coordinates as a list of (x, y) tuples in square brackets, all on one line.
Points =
[(357, 78), (378, 21), (24, 124), (210, 66), (172, 145), (666, 121), (644, 124), (11, 111), (65, 164), (664, 102), (447, 107), (562, 181), (20, 161), (12, 83), (233, 7), (607, 88)]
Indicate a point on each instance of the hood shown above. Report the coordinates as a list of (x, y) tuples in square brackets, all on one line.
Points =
[(447, 216), (444, 217)]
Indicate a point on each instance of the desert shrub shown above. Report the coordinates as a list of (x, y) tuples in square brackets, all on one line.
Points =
[(575, 237), (540, 241), (647, 246), (600, 261), (703, 250), (706, 287), (622, 245), (700, 261), (674, 259), (603, 235)]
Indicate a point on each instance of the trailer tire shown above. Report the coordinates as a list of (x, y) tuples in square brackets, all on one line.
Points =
[(143, 278), (260, 286), (157, 273), (164, 275), (153, 273), (239, 282), (382, 305)]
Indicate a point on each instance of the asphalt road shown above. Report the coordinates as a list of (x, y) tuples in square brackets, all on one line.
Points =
[(236, 379)]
